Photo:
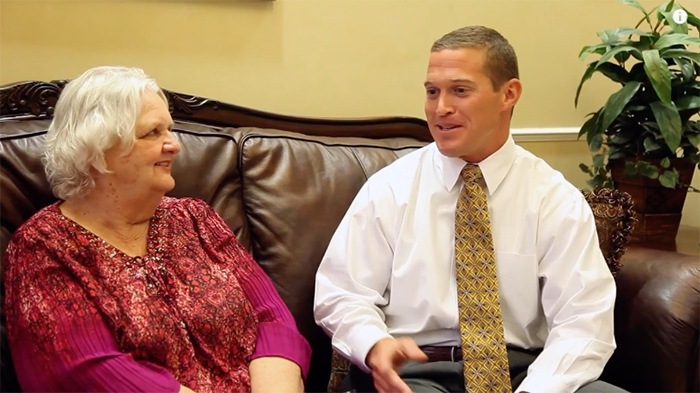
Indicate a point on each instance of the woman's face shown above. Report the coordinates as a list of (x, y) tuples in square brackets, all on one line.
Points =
[(146, 167)]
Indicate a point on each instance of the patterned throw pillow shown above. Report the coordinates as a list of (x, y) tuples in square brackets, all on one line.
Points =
[(614, 219)]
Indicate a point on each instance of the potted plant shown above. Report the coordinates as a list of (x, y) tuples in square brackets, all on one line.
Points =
[(647, 133)]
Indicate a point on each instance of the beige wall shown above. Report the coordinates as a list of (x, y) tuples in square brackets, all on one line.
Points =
[(347, 58)]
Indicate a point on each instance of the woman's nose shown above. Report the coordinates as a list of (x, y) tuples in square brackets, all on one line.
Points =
[(171, 145)]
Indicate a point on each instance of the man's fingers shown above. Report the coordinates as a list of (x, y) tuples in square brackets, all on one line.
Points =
[(386, 357), (380, 383), (389, 383), (416, 354), (410, 350), (398, 385)]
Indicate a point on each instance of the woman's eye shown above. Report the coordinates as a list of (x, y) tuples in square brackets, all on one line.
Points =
[(150, 134)]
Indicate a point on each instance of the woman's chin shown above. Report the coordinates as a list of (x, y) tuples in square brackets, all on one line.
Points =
[(166, 186)]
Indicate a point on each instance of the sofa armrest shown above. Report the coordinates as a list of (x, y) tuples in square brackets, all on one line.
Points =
[(657, 314)]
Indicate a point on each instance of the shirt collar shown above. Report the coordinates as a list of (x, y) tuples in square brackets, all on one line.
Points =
[(493, 167)]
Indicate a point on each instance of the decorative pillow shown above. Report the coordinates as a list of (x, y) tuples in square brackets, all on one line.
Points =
[(340, 367), (614, 219)]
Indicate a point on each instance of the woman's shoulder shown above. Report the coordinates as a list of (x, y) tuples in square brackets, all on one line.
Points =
[(184, 206), (43, 223), (169, 202), (190, 215), (44, 233)]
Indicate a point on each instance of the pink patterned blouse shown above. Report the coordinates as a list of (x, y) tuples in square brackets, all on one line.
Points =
[(83, 316)]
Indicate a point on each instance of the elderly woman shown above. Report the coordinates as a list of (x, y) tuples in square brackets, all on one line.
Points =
[(117, 287)]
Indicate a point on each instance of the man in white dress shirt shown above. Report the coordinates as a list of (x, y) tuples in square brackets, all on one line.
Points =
[(385, 289)]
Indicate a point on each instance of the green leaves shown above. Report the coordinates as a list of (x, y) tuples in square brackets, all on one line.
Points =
[(616, 103), (692, 19), (682, 53), (654, 113), (586, 76), (688, 102), (669, 178), (632, 50), (668, 40), (613, 71), (677, 28), (636, 4), (669, 123), (643, 168), (658, 73), (694, 139)]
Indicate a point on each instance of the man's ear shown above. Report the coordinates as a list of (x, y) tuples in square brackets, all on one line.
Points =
[(511, 93)]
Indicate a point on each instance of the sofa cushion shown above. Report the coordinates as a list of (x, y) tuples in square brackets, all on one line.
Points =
[(22, 180), (207, 168), (656, 323)]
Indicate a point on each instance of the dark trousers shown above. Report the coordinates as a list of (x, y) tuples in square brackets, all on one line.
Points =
[(448, 376)]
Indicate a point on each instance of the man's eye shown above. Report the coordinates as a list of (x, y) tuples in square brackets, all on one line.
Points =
[(431, 92)]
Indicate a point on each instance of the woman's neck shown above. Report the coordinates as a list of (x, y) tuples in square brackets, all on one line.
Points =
[(122, 223)]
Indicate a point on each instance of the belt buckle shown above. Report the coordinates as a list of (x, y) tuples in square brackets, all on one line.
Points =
[(452, 353)]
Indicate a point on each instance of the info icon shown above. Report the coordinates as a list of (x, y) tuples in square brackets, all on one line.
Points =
[(680, 16)]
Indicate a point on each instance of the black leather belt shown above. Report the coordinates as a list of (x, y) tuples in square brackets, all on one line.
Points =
[(442, 354)]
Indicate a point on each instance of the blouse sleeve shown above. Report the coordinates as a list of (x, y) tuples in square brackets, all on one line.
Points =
[(58, 339), (277, 332)]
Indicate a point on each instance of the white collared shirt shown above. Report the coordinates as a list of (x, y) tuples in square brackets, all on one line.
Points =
[(389, 268)]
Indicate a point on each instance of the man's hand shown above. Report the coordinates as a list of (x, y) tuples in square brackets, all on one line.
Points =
[(386, 357)]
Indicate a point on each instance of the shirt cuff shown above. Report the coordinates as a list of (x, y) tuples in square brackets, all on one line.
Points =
[(362, 339), (275, 339)]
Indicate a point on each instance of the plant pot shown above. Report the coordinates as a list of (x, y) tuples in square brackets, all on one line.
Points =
[(658, 208)]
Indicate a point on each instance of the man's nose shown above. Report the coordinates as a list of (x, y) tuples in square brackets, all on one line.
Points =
[(444, 106)]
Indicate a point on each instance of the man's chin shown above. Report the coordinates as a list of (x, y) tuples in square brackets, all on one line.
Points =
[(448, 150)]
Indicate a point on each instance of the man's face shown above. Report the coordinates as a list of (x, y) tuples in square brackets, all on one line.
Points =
[(466, 116)]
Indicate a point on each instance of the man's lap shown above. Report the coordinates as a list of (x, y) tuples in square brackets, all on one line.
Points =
[(448, 376)]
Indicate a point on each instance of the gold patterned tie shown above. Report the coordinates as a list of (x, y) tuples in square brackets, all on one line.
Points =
[(480, 321)]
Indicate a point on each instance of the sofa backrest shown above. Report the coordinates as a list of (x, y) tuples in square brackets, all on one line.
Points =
[(281, 183), (295, 191)]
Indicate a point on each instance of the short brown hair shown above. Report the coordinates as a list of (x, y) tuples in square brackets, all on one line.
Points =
[(501, 64)]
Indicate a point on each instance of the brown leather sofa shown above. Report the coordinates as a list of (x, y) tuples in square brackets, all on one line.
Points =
[(283, 183)]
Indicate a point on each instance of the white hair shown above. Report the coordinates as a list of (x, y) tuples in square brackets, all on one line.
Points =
[(94, 112)]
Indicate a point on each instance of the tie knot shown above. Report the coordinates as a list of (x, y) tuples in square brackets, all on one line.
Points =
[(471, 174)]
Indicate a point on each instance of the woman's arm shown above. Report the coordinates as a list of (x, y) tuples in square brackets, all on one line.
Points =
[(278, 335), (275, 374), (58, 339), (277, 332)]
